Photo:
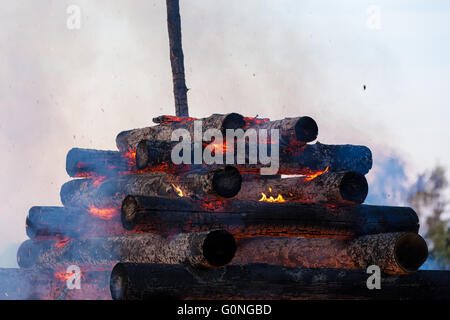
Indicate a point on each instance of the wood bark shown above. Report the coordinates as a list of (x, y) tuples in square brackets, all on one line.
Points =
[(394, 253), (88, 163), (129, 140), (253, 218), (66, 222), (204, 249), (334, 188), (48, 284), (292, 131), (307, 160), (177, 58), (265, 282), (85, 193)]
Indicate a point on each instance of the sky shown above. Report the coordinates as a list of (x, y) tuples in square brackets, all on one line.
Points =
[(62, 88)]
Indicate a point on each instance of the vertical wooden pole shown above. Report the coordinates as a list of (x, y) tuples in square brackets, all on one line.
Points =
[(177, 58)]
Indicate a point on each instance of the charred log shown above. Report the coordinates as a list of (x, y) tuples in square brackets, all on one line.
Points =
[(87, 163), (394, 253), (261, 281), (85, 193), (307, 160), (206, 249), (128, 140), (336, 188), (292, 131), (72, 222), (253, 218), (48, 284), (177, 58)]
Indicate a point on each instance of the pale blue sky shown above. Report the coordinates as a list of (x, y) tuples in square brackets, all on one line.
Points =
[(276, 58)]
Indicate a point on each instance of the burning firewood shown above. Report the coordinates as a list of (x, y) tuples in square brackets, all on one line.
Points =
[(262, 281), (128, 140), (292, 131), (84, 193), (47, 284), (87, 163), (394, 253), (336, 188), (310, 159), (72, 222), (254, 218), (204, 249)]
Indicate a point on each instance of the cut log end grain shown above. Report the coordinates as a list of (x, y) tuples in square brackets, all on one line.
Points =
[(306, 129), (354, 187), (411, 251), (227, 182), (233, 121), (129, 211), (219, 248)]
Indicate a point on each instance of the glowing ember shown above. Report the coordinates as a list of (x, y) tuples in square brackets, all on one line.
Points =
[(315, 175), (105, 214), (178, 190), (62, 243), (271, 198), (98, 181), (64, 276)]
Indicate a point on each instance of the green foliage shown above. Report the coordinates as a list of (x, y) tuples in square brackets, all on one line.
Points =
[(428, 199)]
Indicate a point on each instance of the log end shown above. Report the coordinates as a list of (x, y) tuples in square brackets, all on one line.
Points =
[(227, 182), (27, 254), (142, 154), (353, 187), (219, 248), (233, 121), (128, 212), (118, 283), (306, 129), (411, 251)]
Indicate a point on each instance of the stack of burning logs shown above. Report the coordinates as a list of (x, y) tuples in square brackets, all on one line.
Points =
[(134, 225)]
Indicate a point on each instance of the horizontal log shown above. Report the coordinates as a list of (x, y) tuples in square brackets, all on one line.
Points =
[(335, 188), (292, 131), (204, 249), (89, 163), (47, 284), (85, 193), (307, 160), (261, 281), (72, 222), (394, 253), (254, 218), (128, 140)]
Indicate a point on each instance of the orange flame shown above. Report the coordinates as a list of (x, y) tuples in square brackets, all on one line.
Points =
[(271, 198), (105, 214), (63, 276), (315, 175), (98, 181), (178, 190)]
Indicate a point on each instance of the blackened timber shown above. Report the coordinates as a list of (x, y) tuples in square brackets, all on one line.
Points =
[(88, 163), (307, 160), (48, 284), (128, 140), (394, 253), (335, 188), (72, 222), (262, 281), (203, 249), (177, 58), (85, 193), (254, 218), (292, 131)]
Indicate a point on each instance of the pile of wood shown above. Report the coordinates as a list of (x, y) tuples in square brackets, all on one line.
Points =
[(135, 218)]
